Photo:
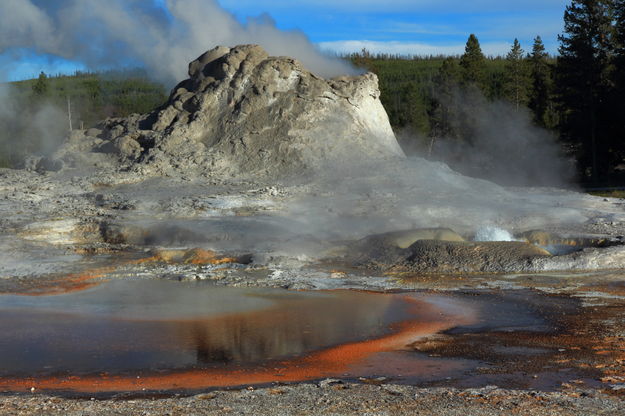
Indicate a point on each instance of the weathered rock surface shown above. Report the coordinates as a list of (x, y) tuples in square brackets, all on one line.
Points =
[(439, 256), (42, 164), (243, 112)]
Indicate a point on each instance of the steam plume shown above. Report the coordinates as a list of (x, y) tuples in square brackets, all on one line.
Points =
[(39, 130), (117, 32), (499, 142)]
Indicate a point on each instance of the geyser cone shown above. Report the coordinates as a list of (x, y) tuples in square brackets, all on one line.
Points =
[(242, 111)]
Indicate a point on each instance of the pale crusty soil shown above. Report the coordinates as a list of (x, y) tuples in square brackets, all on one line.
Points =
[(70, 207), (332, 399)]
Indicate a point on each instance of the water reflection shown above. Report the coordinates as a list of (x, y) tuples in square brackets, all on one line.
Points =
[(165, 336), (149, 325)]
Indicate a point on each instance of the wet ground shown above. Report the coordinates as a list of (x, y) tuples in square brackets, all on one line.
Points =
[(242, 315), (159, 335), (154, 337)]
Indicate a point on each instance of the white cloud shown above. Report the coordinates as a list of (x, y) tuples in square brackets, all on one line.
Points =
[(409, 48), (105, 33)]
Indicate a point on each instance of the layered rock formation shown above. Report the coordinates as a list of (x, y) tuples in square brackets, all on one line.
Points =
[(242, 111)]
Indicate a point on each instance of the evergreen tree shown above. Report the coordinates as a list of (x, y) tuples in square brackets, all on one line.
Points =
[(416, 110), (583, 79), (446, 89), (618, 96), (362, 59), (40, 88), (619, 41), (472, 93), (540, 99), (516, 77), (473, 63)]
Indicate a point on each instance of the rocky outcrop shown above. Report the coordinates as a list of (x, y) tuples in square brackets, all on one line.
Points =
[(244, 112)]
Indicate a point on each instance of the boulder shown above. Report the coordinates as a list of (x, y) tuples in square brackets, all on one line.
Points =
[(42, 164)]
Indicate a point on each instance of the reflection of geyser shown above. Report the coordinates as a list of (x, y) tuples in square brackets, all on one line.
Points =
[(291, 327), (149, 325)]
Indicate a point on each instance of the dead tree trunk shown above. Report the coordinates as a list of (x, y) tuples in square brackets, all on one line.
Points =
[(69, 112)]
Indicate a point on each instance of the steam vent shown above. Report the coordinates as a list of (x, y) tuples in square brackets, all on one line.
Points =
[(242, 111)]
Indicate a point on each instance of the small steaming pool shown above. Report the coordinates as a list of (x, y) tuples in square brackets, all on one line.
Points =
[(169, 336)]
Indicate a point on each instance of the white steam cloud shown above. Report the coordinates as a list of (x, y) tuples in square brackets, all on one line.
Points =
[(37, 129), (117, 32), (499, 143)]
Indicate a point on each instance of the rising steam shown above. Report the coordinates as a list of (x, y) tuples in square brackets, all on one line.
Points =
[(139, 32), (38, 130), (495, 141)]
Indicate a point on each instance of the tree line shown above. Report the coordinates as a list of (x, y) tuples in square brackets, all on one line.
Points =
[(578, 94), (95, 96), (36, 114)]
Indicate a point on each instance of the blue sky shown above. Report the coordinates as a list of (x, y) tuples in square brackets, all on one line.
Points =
[(413, 26), (418, 27)]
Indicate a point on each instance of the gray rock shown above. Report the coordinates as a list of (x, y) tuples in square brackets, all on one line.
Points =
[(43, 164), (47, 164), (127, 147), (437, 256), (93, 132), (329, 382)]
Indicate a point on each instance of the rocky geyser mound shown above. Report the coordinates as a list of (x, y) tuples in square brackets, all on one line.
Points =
[(242, 111)]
